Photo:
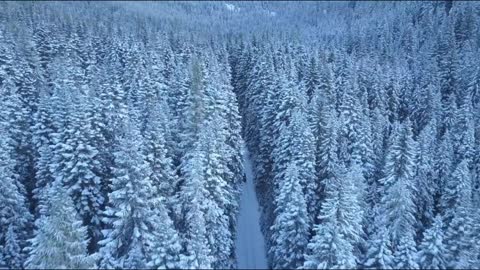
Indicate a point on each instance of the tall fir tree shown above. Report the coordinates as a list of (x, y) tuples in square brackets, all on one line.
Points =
[(338, 231), (15, 218), (60, 239), (432, 250), (133, 215), (290, 228), (459, 218), (193, 202), (397, 203)]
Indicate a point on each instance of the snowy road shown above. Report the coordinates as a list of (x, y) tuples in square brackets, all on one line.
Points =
[(250, 245)]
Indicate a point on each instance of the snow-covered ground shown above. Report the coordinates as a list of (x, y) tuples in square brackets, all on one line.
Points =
[(250, 245)]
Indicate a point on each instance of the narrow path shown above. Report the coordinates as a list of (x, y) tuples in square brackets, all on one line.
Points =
[(250, 245)]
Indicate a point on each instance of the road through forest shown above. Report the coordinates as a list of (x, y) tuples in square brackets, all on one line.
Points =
[(250, 244)]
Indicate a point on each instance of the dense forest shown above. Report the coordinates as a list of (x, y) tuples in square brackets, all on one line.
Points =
[(123, 126)]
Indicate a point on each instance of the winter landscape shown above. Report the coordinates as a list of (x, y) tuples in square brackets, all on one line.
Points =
[(239, 135)]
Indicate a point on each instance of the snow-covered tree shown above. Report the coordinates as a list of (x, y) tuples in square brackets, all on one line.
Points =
[(290, 228), (159, 159), (397, 203), (43, 140), (60, 239), (432, 250), (379, 253), (80, 174), (193, 202), (326, 147), (405, 256), (329, 250), (458, 188), (15, 218), (135, 214), (464, 135), (11, 250), (443, 167), (350, 130), (339, 228), (459, 218), (294, 145), (427, 188)]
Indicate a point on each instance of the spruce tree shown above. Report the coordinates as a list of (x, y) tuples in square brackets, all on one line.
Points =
[(379, 253), (60, 239), (459, 218), (443, 167), (290, 227), (427, 188), (193, 203), (397, 203), (133, 215), (12, 251), (80, 174), (405, 255), (15, 218), (159, 159), (43, 140), (339, 227), (432, 250)]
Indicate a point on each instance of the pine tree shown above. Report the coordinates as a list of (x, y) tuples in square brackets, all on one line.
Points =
[(312, 78), (107, 122), (43, 140), (232, 153), (166, 250), (426, 187), (339, 227), (444, 168), (458, 237), (341, 72), (182, 102), (298, 146), (397, 204), (326, 158), (449, 110), (405, 256), (329, 250), (193, 203), (192, 107), (16, 92), (133, 214), (261, 87), (81, 171), (220, 196), (27, 81), (290, 227), (464, 138), (432, 250), (60, 239), (445, 58), (366, 144), (322, 98), (268, 87), (354, 136), (15, 218), (163, 175), (12, 253), (60, 119), (350, 141), (284, 147), (379, 254), (453, 194)]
